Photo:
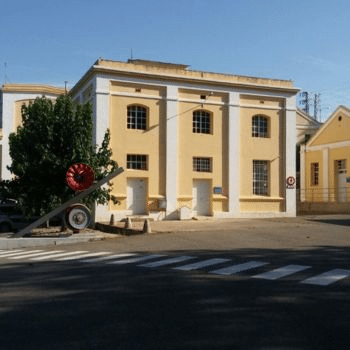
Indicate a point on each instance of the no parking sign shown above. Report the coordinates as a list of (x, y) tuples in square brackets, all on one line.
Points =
[(290, 182)]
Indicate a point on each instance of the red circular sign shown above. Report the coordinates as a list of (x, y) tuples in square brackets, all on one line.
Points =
[(291, 180), (80, 177)]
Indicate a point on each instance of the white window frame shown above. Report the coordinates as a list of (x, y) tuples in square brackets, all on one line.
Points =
[(201, 122), (260, 126), (136, 117)]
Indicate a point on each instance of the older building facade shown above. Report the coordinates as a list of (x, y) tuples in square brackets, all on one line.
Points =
[(12, 98), (326, 157), (193, 143)]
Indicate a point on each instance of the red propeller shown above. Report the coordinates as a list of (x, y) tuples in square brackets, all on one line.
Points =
[(80, 177)]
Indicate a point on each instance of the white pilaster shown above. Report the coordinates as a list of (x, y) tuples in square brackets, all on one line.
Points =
[(302, 173), (101, 109), (290, 153), (325, 174), (233, 153), (171, 149), (101, 124)]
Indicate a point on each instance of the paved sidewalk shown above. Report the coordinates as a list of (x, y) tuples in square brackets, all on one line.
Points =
[(326, 229)]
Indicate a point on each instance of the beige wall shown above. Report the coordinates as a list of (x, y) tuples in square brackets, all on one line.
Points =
[(314, 192), (150, 142), (212, 145), (270, 149), (18, 112), (330, 144), (336, 131)]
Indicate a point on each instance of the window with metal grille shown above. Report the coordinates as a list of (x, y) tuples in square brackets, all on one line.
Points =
[(314, 174), (260, 126), (261, 177), (202, 164), (201, 122), (137, 118), (341, 166), (137, 161)]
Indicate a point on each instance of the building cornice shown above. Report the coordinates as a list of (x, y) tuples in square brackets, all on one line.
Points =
[(187, 76), (194, 79), (33, 88)]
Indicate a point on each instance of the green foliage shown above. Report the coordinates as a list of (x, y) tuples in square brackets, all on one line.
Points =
[(54, 136)]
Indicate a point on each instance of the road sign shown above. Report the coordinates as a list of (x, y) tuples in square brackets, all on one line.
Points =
[(290, 182)]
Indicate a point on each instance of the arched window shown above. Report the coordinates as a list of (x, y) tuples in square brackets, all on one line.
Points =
[(201, 122), (137, 118), (260, 126)]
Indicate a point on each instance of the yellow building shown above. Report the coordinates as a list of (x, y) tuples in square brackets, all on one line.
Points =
[(325, 176), (193, 143), (12, 97), (306, 126)]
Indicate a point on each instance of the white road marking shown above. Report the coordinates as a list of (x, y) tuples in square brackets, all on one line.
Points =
[(10, 251), (239, 268), (110, 257), (55, 255), (133, 260), (201, 264), (29, 255), (19, 253), (167, 261), (82, 256), (281, 272), (328, 277)]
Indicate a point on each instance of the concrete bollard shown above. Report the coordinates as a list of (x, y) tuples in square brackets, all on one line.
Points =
[(147, 227), (111, 221), (128, 223)]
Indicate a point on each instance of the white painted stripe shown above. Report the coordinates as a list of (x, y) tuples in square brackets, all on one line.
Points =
[(239, 268), (328, 277), (110, 257), (10, 251), (82, 256), (167, 261), (281, 272), (133, 260), (19, 253), (55, 255), (201, 264), (35, 254)]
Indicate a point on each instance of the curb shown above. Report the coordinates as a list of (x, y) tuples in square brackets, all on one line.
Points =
[(14, 243), (114, 229)]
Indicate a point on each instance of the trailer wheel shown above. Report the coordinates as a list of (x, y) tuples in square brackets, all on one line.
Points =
[(78, 217)]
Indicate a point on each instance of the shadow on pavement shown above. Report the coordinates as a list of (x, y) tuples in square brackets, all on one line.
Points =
[(342, 222), (79, 305)]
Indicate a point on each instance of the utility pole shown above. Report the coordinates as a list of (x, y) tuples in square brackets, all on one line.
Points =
[(305, 101), (317, 107)]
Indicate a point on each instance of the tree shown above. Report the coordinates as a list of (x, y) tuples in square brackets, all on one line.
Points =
[(53, 136)]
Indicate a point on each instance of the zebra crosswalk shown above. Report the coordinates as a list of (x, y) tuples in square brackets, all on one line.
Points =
[(213, 266)]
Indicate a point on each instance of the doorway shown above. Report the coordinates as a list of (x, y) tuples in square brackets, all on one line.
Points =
[(340, 166), (201, 197), (136, 196)]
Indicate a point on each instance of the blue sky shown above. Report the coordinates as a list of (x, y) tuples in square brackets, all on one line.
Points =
[(305, 41)]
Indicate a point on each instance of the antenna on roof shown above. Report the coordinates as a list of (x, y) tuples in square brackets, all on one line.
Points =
[(65, 86), (6, 79), (131, 54)]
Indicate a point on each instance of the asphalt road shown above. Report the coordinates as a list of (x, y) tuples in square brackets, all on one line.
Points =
[(246, 300)]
